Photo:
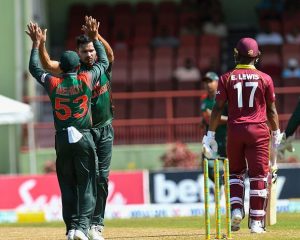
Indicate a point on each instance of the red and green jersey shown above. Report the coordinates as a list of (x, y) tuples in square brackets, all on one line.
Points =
[(208, 103), (70, 97), (101, 99), (70, 94)]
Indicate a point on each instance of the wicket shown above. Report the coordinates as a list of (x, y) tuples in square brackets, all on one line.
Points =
[(217, 199)]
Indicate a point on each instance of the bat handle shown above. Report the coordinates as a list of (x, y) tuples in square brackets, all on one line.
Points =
[(274, 175)]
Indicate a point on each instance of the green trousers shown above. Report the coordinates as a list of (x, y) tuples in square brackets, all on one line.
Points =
[(103, 138), (76, 166)]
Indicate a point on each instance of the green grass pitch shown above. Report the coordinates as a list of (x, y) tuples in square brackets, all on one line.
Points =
[(288, 227)]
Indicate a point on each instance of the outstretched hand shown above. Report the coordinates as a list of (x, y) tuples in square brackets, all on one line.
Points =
[(36, 34), (31, 31), (91, 27)]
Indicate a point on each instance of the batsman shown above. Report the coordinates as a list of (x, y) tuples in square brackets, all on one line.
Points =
[(251, 104)]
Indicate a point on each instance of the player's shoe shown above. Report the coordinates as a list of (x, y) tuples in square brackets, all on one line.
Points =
[(256, 227), (71, 234), (79, 235), (95, 232), (236, 218)]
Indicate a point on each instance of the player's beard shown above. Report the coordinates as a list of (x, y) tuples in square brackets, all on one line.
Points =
[(89, 61)]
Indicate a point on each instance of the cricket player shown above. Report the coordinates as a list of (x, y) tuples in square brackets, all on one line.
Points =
[(210, 81), (76, 161), (102, 115), (251, 103)]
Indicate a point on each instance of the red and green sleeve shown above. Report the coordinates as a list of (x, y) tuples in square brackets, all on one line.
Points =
[(100, 67)]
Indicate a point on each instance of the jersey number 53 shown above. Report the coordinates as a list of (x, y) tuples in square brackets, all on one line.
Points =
[(62, 104)]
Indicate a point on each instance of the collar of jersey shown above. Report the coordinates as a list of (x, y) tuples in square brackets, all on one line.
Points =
[(69, 74), (247, 66)]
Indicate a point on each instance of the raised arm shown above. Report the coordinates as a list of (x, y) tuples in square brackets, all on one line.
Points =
[(91, 28), (34, 32), (102, 63), (101, 66), (108, 49), (48, 64)]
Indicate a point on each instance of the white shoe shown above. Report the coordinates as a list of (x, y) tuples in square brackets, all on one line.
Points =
[(236, 218), (95, 232), (70, 235), (79, 235), (256, 227)]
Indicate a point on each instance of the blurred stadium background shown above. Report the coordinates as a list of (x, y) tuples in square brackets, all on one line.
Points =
[(156, 116)]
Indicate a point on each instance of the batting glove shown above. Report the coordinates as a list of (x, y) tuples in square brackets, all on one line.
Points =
[(209, 145)]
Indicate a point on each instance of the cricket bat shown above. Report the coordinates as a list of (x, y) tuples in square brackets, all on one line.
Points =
[(271, 215)]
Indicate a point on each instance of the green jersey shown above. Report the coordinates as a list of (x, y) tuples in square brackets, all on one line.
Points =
[(208, 103), (71, 93), (101, 99)]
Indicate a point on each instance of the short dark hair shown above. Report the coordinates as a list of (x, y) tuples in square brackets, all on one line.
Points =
[(69, 61), (81, 40)]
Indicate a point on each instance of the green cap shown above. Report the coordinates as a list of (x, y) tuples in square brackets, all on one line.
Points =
[(69, 60), (211, 76)]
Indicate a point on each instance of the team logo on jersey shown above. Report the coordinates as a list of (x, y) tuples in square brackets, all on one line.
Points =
[(99, 90), (218, 92)]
